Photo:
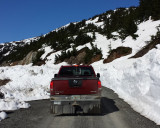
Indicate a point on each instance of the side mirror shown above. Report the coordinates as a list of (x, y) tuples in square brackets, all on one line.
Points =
[(98, 75), (55, 75)]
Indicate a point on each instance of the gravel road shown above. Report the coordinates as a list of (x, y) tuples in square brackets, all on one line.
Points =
[(116, 114)]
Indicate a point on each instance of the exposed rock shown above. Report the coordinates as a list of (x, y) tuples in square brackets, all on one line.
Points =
[(79, 59), (58, 62), (96, 58), (71, 60), (1, 95), (1, 70), (4, 82), (4, 63), (15, 63), (117, 53), (39, 63), (29, 58), (147, 48)]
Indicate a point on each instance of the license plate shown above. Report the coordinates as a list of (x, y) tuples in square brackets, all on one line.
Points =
[(76, 97), (57, 102)]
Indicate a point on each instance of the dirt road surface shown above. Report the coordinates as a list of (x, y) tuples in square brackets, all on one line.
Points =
[(116, 114)]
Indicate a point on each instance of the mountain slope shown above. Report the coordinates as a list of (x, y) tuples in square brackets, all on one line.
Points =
[(119, 24), (136, 80)]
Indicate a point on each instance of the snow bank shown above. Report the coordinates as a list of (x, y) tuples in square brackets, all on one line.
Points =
[(10, 104), (136, 81), (27, 82), (3, 115)]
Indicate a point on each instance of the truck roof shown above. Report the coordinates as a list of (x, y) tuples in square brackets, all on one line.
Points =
[(76, 66)]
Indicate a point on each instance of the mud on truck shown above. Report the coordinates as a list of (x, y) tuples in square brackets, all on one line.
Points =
[(75, 89)]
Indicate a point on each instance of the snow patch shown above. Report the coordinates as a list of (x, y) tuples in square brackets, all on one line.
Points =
[(3, 115), (47, 50)]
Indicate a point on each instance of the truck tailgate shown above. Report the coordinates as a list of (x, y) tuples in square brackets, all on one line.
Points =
[(75, 86)]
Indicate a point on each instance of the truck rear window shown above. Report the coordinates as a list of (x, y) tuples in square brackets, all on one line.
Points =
[(76, 71)]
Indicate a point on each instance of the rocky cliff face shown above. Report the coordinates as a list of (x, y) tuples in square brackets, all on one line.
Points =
[(147, 48), (79, 59), (29, 58), (26, 60), (76, 60), (117, 53)]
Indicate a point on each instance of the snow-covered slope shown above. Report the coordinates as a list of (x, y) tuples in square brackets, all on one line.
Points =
[(7, 48), (134, 80), (145, 31)]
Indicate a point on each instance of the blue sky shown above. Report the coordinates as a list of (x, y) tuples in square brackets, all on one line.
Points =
[(22, 19)]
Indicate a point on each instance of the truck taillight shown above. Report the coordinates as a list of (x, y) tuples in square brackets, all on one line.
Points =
[(99, 84), (51, 85)]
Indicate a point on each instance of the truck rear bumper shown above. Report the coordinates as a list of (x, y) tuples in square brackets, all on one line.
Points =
[(83, 103), (72, 99), (75, 102), (75, 97)]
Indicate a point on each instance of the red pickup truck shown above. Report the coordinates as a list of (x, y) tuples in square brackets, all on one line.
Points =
[(75, 89)]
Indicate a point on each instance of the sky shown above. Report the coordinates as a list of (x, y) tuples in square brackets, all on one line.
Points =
[(22, 19)]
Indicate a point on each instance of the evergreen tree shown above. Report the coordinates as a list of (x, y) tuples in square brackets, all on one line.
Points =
[(107, 28), (94, 36), (74, 51), (130, 27), (149, 8)]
